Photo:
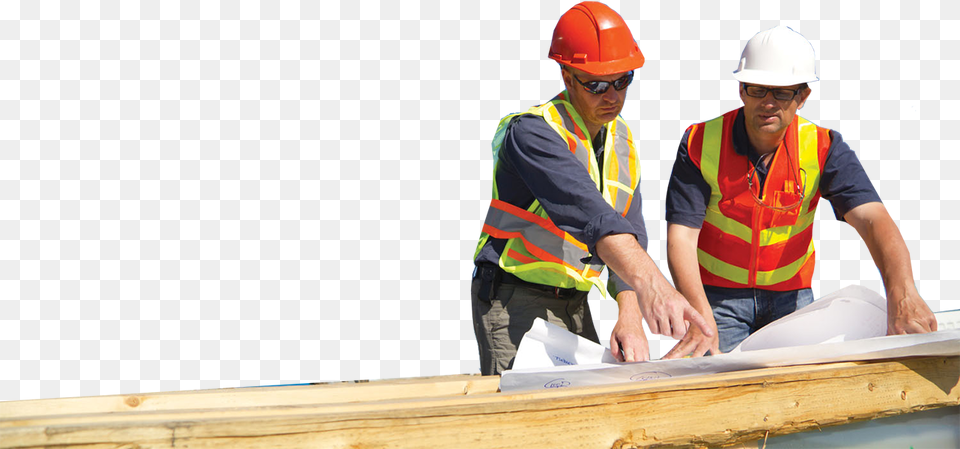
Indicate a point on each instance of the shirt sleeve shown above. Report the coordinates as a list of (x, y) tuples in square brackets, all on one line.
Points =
[(687, 193), (540, 157), (616, 284), (844, 182)]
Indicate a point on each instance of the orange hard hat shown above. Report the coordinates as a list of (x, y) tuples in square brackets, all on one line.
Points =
[(594, 38)]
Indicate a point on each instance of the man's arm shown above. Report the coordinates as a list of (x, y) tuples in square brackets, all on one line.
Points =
[(538, 156), (686, 207), (628, 333), (664, 308), (907, 313), (848, 188), (682, 260)]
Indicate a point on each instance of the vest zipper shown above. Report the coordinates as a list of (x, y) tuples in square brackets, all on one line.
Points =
[(754, 248), (757, 214)]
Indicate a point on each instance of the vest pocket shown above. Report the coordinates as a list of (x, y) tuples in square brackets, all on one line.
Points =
[(785, 217)]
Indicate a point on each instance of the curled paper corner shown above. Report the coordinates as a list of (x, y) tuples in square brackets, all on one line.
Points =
[(547, 345), (851, 313)]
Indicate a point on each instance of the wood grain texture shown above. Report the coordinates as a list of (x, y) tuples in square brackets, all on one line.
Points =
[(340, 392), (710, 410)]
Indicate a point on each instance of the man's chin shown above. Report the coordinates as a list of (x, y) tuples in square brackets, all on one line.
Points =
[(769, 127)]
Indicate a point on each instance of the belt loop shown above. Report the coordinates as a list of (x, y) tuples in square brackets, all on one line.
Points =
[(556, 292)]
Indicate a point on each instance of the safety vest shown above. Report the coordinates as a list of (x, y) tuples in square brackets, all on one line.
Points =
[(743, 244), (536, 249)]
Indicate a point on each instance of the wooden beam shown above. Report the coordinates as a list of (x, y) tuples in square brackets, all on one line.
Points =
[(712, 410), (323, 393), (332, 393), (262, 401)]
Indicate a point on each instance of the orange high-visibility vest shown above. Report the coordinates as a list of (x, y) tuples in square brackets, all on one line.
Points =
[(536, 249), (743, 244)]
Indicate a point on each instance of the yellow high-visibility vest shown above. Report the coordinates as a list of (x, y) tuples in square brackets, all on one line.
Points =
[(536, 249)]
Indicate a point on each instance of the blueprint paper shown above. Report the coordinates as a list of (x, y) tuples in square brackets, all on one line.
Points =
[(948, 319), (847, 325), (943, 343), (547, 344), (851, 313)]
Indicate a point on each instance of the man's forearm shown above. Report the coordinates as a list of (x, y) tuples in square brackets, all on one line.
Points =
[(684, 267), (887, 247), (626, 257), (667, 312), (907, 313), (627, 304), (892, 258)]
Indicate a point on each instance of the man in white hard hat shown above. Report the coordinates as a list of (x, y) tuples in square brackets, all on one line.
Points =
[(743, 195)]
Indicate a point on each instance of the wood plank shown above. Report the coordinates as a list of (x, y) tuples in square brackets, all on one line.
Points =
[(330, 393), (705, 410), (393, 400), (339, 392)]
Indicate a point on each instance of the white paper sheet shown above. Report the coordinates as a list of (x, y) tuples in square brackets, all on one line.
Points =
[(547, 344), (842, 326), (851, 313)]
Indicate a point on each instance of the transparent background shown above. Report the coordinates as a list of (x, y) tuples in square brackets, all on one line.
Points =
[(214, 194)]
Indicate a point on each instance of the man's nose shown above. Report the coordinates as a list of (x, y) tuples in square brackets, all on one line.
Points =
[(768, 99), (611, 95)]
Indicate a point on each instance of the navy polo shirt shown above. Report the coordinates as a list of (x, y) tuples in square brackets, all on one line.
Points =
[(843, 181), (536, 164)]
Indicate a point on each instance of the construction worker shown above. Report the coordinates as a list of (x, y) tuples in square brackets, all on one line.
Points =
[(743, 195), (566, 201)]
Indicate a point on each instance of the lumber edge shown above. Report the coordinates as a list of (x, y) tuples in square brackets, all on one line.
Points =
[(699, 413)]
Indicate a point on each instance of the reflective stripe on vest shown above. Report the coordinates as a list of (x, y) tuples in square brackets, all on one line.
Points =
[(741, 243), (536, 249)]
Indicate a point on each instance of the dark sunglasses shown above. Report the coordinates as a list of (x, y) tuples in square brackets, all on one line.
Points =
[(599, 87), (780, 94)]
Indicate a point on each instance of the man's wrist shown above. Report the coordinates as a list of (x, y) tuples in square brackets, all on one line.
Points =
[(900, 291), (627, 302)]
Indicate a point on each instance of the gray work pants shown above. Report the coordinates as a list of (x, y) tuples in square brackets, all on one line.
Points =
[(499, 324)]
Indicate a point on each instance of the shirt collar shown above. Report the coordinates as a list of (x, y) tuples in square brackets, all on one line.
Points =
[(600, 140)]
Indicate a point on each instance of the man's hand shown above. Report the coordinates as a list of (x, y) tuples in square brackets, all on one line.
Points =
[(909, 314), (666, 310), (669, 313), (695, 343), (628, 335)]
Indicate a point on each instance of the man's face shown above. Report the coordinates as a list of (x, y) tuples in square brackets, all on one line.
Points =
[(768, 115), (595, 109)]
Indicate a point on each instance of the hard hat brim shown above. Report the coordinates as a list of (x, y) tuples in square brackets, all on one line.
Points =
[(767, 78), (603, 68)]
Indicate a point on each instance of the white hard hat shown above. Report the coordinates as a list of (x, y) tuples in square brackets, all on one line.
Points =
[(777, 57)]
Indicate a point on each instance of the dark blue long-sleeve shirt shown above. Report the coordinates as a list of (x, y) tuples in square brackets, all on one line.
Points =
[(536, 164)]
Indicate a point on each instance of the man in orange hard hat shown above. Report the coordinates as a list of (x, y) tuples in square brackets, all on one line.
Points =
[(742, 199), (566, 202)]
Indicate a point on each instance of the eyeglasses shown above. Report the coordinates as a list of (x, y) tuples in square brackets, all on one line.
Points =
[(599, 87), (798, 185), (780, 93)]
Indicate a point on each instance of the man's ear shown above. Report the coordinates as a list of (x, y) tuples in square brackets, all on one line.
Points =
[(567, 78), (803, 96)]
